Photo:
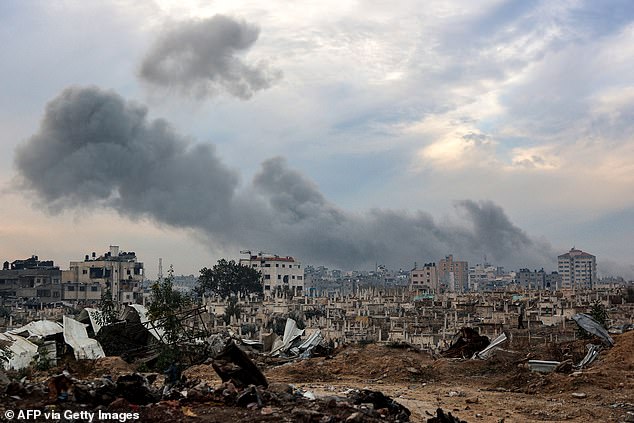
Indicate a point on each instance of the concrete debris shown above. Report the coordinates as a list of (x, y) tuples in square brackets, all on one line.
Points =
[(589, 324), (593, 353), (488, 351), (233, 365), (22, 351), (542, 366), (84, 348), (441, 417), (466, 343), (39, 329)]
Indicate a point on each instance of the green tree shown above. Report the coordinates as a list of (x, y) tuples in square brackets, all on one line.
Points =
[(108, 309), (233, 309), (166, 306), (229, 278)]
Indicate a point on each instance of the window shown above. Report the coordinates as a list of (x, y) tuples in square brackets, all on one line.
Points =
[(70, 288), (267, 276), (277, 265), (283, 265), (82, 288), (300, 277), (93, 289), (279, 276), (84, 271)]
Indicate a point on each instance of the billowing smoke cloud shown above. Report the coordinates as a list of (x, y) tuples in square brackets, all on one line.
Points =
[(95, 149), (202, 57)]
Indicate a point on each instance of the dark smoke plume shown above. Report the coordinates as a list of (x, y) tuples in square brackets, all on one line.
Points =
[(95, 149), (201, 57)]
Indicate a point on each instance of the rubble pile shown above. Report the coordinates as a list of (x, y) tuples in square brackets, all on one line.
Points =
[(193, 397), (466, 343)]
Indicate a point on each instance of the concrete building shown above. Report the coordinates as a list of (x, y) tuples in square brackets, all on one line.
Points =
[(277, 272), (31, 280), (453, 276), (528, 279), (115, 270), (578, 269), (424, 279), (482, 275)]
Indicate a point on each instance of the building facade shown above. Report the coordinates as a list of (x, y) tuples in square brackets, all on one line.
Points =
[(118, 271), (31, 280), (424, 279), (453, 276), (278, 273), (578, 269)]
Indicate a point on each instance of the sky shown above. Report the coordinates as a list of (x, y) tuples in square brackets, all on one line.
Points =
[(342, 133)]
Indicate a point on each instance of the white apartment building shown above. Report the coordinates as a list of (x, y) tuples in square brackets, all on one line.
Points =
[(578, 269), (277, 272)]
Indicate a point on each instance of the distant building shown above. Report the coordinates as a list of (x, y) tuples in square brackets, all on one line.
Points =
[(453, 276), (578, 269), (425, 278), (118, 271), (482, 275), (278, 273), (32, 280), (528, 279)]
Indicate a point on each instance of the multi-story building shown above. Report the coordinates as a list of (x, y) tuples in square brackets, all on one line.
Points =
[(425, 278), (528, 279), (278, 273), (120, 272), (32, 280), (453, 276), (578, 269), (482, 275)]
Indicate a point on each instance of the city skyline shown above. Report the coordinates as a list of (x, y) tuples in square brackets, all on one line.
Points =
[(348, 134)]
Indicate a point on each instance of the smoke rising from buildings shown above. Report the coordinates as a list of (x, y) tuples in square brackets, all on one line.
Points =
[(94, 149), (202, 57)]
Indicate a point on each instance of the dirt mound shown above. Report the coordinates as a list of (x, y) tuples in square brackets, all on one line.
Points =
[(370, 363), (203, 372), (113, 366), (621, 355)]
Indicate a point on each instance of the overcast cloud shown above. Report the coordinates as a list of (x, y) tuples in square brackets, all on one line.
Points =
[(447, 127)]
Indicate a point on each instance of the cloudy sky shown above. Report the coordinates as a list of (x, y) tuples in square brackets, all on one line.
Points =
[(343, 133)]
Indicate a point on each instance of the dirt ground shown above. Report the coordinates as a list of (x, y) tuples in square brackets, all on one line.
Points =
[(499, 389)]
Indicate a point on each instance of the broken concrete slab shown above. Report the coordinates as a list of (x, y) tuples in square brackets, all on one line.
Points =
[(232, 364)]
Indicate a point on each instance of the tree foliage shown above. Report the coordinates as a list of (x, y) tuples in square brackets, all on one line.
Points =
[(108, 309), (233, 309), (166, 306), (229, 278)]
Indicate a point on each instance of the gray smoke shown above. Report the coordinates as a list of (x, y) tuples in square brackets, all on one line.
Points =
[(202, 57), (94, 149)]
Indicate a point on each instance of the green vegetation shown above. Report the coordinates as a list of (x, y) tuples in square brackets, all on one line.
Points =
[(228, 278), (165, 310), (108, 309)]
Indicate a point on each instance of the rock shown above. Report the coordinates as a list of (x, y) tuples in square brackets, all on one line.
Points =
[(579, 395), (355, 417), (413, 370)]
